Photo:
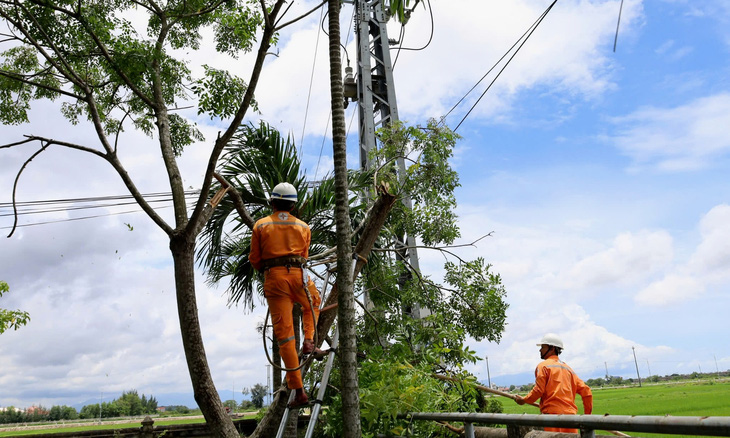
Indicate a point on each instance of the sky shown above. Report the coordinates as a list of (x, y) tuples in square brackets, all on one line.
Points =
[(601, 175)]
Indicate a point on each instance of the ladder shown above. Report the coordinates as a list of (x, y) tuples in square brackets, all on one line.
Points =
[(317, 408)]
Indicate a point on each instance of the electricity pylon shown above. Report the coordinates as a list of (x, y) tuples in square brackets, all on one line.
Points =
[(375, 95)]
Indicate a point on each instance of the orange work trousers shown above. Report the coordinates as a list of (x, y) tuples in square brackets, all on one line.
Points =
[(561, 429), (282, 288)]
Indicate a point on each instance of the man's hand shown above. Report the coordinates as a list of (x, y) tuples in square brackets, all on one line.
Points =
[(519, 400)]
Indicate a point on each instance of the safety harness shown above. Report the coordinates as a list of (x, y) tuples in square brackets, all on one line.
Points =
[(290, 261)]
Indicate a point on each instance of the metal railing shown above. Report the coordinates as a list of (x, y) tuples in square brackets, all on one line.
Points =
[(588, 424)]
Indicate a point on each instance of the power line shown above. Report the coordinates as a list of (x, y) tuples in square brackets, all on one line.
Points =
[(311, 81), (525, 36), (402, 35), (89, 203)]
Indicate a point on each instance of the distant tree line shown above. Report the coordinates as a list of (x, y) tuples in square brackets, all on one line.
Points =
[(37, 413), (129, 404), (619, 381)]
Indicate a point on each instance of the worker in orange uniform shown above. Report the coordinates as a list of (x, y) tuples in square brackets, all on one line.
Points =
[(556, 384), (279, 249)]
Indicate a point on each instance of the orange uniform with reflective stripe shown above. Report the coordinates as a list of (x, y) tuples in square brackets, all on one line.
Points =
[(281, 235), (556, 385)]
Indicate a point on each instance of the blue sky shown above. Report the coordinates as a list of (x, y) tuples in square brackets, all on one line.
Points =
[(602, 175)]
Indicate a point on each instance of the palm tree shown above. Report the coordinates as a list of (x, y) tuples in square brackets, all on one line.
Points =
[(258, 159)]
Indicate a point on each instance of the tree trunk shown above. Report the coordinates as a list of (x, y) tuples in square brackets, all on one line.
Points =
[(276, 372), (373, 224), (206, 395), (268, 425), (347, 351)]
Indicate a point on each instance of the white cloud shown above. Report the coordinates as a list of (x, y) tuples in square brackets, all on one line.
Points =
[(672, 289), (552, 58), (684, 138), (631, 256), (713, 253), (708, 265)]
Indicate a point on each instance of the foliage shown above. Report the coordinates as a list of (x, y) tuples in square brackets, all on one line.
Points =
[(399, 379), (429, 181), (62, 413), (11, 319), (471, 306), (608, 381), (258, 159), (33, 414), (93, 49), (399, 9), (258, 394), (178, 409), (129, 404), (118, 65)]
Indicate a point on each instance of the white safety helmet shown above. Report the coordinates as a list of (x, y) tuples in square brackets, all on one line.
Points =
[(285, 192), (551, 339)]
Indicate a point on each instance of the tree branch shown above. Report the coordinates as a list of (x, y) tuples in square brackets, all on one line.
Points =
[(223, 140), (70, 74), (111, 159), (278, 28), (20, 78)]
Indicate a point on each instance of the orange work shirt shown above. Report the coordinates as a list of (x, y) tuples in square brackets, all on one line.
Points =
[(556, 385), (278, 235)]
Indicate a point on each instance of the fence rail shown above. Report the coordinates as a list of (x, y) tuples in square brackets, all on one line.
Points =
[(708, 426)]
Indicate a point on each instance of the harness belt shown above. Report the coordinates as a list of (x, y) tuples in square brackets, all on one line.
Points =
[(292, 261)]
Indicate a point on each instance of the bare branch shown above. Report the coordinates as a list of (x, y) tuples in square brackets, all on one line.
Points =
[(278, 28), (438, 248), (212, 7), (223, 140), (237, 202), (15, 186), (265, 13), (112, 159)]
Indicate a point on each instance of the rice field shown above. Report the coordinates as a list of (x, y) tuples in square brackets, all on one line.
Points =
[(688, 398)]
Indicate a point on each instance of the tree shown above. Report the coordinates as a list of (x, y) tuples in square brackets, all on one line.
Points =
[(62, 413), (90, 56), (11, 319), (346, 297), (258, 393), (230, 405)]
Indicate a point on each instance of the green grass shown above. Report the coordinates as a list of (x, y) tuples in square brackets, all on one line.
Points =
[(158, 422), (693, 399), (702, 398)]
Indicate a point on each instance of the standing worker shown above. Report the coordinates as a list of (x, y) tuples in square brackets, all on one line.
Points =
[(556, 384), (279, 249)]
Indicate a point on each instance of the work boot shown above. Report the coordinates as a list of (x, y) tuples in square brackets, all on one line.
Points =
[(309, 348), (300, 399)]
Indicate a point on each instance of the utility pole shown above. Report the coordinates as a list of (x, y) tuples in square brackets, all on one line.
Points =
[(637, 366), (717, 370), (606, 365), (377, 105), (268, 383), (489, 380), (648, 367)]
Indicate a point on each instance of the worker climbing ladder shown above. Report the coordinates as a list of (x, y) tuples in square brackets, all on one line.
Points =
[(317, 403)]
